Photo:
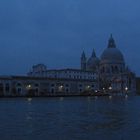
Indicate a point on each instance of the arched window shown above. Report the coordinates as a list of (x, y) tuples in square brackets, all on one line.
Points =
[(52, 90), (36, 85), (112, 69), (1, 87), (19, 84), (67, 90), (116, 69), (121, 69), (107, 70), (7, 87)]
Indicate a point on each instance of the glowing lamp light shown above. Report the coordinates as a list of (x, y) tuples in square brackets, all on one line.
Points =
[(110, 97), (29, 86), (126, 88), (110, 88), (88, 87), (126, 96), (96, 91), (60, 88), (29, 99)]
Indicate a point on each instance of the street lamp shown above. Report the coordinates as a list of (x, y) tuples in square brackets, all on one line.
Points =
[(103, 90), (96, 91), (29, 87), (61, 88), (88, 88), (126, 89), (110, 88)]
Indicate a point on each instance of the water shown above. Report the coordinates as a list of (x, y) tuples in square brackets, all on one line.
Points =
[(70, 118)]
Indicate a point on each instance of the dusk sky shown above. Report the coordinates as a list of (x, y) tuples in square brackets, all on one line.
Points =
[(55, 32)]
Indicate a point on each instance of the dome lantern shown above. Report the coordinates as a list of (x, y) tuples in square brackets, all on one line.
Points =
[(111, 42)]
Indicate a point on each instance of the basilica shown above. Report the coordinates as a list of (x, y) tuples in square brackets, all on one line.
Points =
[(111, 69), (97, 75)]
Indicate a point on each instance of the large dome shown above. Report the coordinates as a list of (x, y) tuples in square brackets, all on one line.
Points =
[(111, 54)]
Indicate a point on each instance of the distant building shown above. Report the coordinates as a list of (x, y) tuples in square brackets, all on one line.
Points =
[(113, 71), (38, 70), (107, 74), (109, 71), (81, 80), (39, 86)]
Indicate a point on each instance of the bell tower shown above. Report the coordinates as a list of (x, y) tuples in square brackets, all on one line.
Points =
[(83, 61)]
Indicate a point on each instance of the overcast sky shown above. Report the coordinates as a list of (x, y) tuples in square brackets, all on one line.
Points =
[(55, 32)]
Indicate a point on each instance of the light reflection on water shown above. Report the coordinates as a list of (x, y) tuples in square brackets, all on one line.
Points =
[(70, 118)]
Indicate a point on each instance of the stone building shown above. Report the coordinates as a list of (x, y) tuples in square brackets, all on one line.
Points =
[(106, 74), (43, 86), (113, 70), (114, 75)]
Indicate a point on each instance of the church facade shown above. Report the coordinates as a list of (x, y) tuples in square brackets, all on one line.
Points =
[(113, 73), (107, 74)]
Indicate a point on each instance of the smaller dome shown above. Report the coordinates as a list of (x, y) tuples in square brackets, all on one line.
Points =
[(93, 62)]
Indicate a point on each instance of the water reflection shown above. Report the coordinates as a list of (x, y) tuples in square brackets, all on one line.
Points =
[(110, 97), (61, 98), (29, 117), (29, 99), (70, 118)]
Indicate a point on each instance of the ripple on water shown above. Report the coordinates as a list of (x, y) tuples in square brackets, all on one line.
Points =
[(70, 118)]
